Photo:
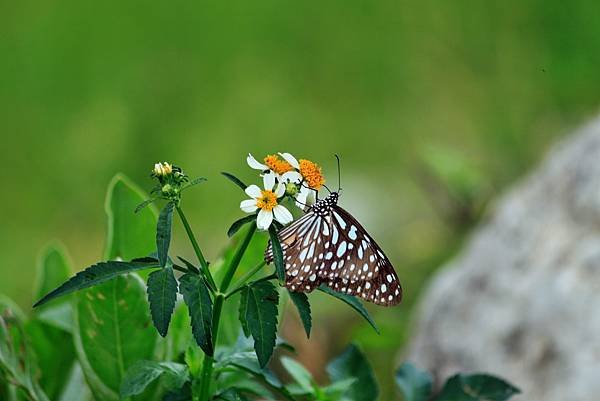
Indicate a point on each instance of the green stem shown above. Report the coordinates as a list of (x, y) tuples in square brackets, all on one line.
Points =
[(207, 364), (242, 282), (197, 250)]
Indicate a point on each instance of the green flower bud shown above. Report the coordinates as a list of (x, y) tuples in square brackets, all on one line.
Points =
[(291, 189)]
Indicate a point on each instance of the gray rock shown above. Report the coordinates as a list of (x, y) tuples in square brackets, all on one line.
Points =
[(523, 299)]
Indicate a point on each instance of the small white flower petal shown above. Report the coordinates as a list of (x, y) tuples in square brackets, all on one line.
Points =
[(253, 163), (311, 198), (290, 159), (248, 205), (301, 197), (253, 191), (291, 176), (269, 181), (280, 190), (282, 215), (264, 219)]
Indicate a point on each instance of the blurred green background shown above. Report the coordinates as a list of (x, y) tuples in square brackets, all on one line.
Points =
[(434, 107)]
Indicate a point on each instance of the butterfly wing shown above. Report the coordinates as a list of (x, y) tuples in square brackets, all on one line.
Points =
[(302, 244), (357, 265)]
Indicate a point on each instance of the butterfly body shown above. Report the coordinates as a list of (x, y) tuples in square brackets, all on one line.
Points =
[(329, 246)]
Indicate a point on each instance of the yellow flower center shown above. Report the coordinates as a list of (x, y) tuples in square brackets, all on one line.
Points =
[(311, 172), (277, 165), (267, 200)]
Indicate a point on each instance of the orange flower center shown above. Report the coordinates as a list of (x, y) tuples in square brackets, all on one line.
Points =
[(277, 165), (267, 200), (311, 172)]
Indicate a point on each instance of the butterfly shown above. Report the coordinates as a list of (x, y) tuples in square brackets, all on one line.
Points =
[(329, 246)]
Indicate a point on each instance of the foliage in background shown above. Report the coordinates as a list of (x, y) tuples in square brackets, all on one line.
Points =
[(118, 354)]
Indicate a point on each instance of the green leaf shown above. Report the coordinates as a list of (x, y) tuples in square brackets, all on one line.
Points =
[(298, 373), (235, 227), (94, 275), (189, 265), (76, 387), (52, 324), (163, 233), (258, 313), (352, 364), (144, 204), (17, 364), (339, 388), (162, 294), (476, 387), (300, 299), (197, 298), (130, 235), (142, 373), (195, 181), (352, 301), (113, 330), (277, 253), (235, 180), (414, 384), (52, 270)]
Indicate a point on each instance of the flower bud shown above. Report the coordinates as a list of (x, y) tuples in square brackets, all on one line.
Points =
[(167, 189), (291, 189)]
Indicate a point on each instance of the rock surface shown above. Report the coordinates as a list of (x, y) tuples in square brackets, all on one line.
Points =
[(523, 299)]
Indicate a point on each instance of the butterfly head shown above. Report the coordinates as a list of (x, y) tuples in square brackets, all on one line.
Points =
[(323, 206)]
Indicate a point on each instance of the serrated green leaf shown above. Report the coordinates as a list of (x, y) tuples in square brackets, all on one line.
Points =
[(235, 180), (414, 384), (130, 235), (476, 387), (145, 203), (258, 311), (163, 233), (298, 373), (162, 294), (300, 299), (352, 364), (277, 253), (195, 181), (113, 330), (197, 298), (352, 302), (184, 393), (235, 227), (94, 275), (142, 373)]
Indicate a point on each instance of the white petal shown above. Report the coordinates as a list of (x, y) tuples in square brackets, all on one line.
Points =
[(282, 215), (264, 219), (290, 159), (312, 197), (301, 197), (291, 176), (248, 205), (280, 190), (269, 181), (253, 191), (253, 163)]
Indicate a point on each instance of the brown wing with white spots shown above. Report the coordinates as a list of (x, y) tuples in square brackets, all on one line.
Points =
[(303, 248), (356, 265)]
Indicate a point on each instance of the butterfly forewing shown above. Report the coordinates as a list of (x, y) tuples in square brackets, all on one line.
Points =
[(301, 244), (328, 245)]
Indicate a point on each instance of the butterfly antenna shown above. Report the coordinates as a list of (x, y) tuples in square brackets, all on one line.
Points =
[(339, 173)]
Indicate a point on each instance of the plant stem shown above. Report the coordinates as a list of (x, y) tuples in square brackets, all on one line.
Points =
[(199, 255), (242, 282), (207, 364)]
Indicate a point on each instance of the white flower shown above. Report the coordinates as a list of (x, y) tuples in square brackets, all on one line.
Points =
[(162, 169), (266, 201), (305, 197)]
